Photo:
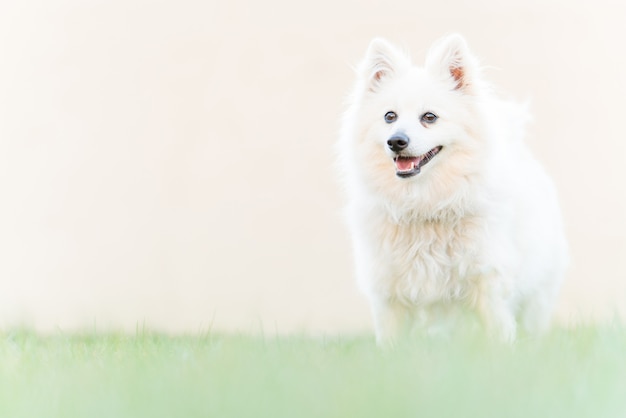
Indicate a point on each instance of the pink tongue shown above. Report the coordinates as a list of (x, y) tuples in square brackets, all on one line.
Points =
[(405, 164)]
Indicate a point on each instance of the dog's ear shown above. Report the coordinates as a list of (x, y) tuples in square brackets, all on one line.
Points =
[(382, 61), (451, 59)]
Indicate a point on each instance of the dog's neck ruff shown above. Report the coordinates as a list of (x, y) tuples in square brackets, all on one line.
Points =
[(423, 214), (422, 204)]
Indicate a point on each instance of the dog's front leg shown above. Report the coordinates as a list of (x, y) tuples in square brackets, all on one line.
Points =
[(390, 320), (496, 311)]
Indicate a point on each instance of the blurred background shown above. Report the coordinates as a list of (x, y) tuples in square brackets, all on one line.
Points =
[(169, 164)]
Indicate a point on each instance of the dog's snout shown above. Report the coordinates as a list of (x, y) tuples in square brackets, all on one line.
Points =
[(398, 142)]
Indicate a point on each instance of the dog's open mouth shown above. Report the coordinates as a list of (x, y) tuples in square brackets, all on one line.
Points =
[(409, 166)]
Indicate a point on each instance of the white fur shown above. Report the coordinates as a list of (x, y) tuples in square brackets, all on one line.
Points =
[(478, 228)]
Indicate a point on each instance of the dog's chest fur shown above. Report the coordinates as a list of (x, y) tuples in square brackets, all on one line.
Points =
[(431, 260)]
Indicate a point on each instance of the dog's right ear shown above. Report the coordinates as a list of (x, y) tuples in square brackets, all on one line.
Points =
[(450, 59), (382, 61)]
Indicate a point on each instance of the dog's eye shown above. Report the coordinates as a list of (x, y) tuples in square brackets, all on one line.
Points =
[(390, 117), (429, 117)]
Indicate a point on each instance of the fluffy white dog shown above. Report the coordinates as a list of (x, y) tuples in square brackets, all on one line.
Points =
[(447, 207)]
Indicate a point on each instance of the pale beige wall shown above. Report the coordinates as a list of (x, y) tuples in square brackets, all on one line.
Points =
[(170, 163)]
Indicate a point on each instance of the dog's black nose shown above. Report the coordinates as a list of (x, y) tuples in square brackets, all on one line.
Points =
[(398, 142)]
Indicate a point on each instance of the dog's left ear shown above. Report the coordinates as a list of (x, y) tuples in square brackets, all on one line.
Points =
[(451, 59)]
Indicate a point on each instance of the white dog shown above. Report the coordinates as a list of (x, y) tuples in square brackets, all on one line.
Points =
[(447, 207)]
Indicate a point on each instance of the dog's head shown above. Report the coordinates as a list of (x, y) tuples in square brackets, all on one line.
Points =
[(412, 124)]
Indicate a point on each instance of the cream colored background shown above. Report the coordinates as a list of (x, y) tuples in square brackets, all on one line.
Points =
[(169, 164)]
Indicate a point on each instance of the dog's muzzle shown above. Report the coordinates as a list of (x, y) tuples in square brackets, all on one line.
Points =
[(408, 165)]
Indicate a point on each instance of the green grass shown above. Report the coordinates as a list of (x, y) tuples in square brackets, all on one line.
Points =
[(568, 373)]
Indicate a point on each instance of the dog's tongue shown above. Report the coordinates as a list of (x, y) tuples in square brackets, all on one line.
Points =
[(406, 164)]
